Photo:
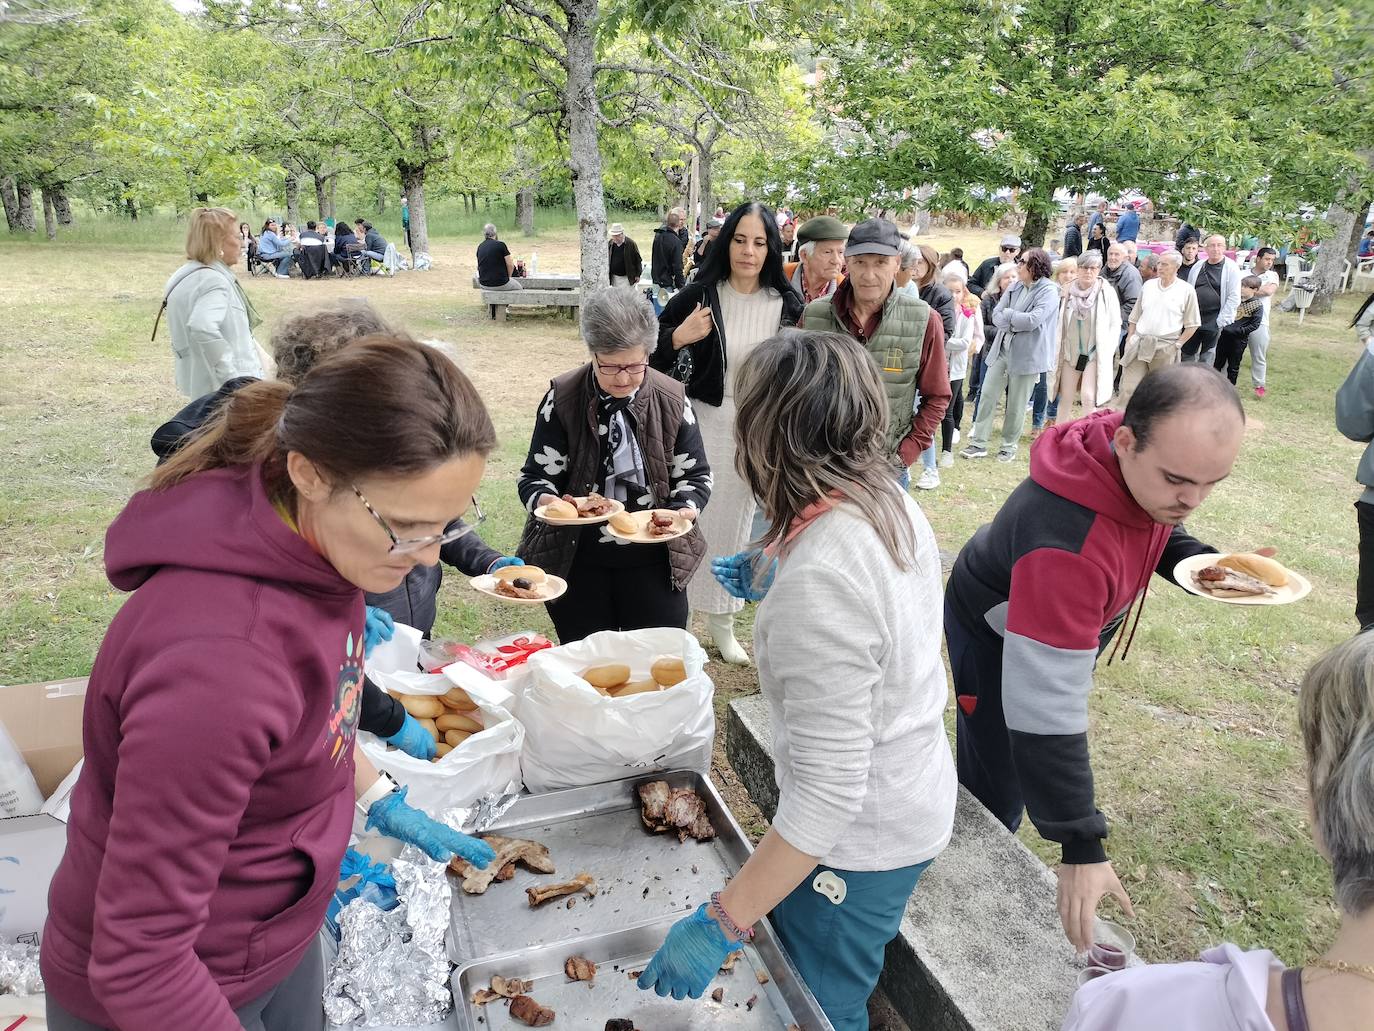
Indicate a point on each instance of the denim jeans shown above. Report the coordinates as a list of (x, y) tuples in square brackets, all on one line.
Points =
[(368, 258), (283, 261), (1040, 401)]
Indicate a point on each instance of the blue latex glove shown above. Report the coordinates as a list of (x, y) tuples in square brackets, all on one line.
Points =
[(689, 957), (394, 818), (736, 573), (509, 560), (413, 739), (377, 627)]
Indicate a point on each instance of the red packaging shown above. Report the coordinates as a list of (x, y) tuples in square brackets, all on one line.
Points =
[(493, 659)]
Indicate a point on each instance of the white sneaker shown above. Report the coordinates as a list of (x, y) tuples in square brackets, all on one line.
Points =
[(955, 440), (280, 276), (947, 457), (929, 480)]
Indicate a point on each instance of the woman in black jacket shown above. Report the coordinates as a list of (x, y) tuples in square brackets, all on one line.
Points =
[(925, 271), (1097, 241), (739, 298)]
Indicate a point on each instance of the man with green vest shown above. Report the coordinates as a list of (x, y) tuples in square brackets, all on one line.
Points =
[(896, 327)]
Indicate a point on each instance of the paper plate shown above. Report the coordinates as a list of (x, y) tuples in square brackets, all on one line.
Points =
[(642, 535), (1297, 587), (553, 587), (581, 520)]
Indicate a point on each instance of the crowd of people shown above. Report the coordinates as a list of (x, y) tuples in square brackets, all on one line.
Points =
[(323, 248), (305, 500)]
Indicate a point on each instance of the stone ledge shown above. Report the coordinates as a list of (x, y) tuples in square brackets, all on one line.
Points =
[(980, 948)]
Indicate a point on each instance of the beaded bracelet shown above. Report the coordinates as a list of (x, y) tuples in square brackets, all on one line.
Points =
[(742, 933)]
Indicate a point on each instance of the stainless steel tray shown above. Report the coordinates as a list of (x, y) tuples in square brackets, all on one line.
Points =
[(782, 1002), (597, 829)]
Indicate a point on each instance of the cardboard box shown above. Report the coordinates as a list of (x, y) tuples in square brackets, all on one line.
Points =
[(45, 722), (30, 849)]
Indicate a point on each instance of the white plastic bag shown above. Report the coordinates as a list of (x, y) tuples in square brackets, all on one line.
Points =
[(574, 735), (19, 794)]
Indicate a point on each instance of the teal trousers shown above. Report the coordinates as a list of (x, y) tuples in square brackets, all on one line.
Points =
[(838, 949)]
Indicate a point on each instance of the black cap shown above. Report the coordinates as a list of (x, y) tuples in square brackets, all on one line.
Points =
[(874, 236)]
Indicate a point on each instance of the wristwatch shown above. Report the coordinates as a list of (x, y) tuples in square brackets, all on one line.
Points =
[(383, 786)]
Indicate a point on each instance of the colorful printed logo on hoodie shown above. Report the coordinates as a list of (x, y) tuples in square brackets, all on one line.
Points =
[(343, 719)]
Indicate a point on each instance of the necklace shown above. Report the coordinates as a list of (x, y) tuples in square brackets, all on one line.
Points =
[(1340, 966)]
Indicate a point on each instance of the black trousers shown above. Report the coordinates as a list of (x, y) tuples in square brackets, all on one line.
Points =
[(1364, 586), (616, 597), (954, 415), (983, 750), (1204, 340), (1230, 350)]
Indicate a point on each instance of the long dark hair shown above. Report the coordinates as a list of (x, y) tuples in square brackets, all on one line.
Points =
[(716, 267), (408, 409)]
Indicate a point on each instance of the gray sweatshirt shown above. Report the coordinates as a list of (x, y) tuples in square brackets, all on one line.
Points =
[(1355, 404), (849, 661)]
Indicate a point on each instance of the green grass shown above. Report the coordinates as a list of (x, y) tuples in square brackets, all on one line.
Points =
[(1195, 749)]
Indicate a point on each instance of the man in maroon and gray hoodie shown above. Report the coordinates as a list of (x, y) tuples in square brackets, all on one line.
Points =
[(1037, 594)]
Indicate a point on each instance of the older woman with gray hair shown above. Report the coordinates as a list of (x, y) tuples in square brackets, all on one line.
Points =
[(628, 432), (1232, 988), (1089, 330)]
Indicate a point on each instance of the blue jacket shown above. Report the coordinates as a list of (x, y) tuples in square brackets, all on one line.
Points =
[(1027, 321), (1127, 226), (270, 245)]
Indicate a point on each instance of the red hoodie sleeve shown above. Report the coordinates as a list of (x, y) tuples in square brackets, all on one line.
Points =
[(1055, 614), (197, 726), (933, 386)]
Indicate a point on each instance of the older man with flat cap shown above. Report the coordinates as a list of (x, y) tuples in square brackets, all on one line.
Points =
[(897, 329), (821, 264), (626, 264)]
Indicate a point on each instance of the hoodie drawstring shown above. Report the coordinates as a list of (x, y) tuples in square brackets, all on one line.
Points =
[(1141, 591)]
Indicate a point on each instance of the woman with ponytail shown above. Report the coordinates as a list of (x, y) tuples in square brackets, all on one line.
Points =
[(220, 781)]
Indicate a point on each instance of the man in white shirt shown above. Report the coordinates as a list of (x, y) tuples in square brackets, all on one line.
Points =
[(1259, 339), (1163, 320)]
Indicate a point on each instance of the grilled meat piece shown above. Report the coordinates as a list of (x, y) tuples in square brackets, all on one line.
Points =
[(674, 809), (529, 854), (579, 968), (653, 799), (582, 882), (527, 1011)]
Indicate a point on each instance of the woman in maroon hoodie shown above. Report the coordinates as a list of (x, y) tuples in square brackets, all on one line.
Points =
[(220, 779)]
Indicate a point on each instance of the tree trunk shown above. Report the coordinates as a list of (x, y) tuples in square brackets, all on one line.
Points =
[(589, 195), (293, 199), (131, 209), (1330, 267), (62, 204), (11, 203), (381, 198), (1039, 202), (694, 196), (321, 202), (1352, 253), (49, 216), (473, 197), (413, 185), (329, 210), (25, 222), (707, 196), (525, 203)]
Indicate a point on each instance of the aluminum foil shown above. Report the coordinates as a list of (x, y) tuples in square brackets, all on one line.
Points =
[(19, 970), (392, 967)]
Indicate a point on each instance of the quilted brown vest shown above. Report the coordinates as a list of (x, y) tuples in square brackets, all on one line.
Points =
[(657, 411)]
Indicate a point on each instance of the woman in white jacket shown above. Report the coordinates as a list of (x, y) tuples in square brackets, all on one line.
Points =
[(209, 315), (1089, 329), (848, 648)]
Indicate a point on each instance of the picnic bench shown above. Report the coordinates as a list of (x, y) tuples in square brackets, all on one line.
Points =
[(549, 282), (500, 300)]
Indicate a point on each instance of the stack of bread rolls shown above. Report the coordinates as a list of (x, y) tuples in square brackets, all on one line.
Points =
[(614, 680), (451, 717)]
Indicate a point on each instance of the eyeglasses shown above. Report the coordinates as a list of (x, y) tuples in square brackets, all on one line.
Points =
[(1011, 250), (637, 369), (411, 545)]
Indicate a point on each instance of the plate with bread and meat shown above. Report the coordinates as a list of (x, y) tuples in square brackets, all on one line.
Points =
[(1243, 578)]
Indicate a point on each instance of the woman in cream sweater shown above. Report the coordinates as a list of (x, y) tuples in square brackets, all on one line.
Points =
[(848, 642)]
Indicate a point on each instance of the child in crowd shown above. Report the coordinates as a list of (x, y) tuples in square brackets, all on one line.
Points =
[(1235, 337)]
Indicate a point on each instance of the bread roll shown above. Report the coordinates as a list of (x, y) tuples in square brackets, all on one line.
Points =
[(668, 671), (606, 676), (442, 749), (454, 738), (1263, 569), (559, 509), (624, 522), (429, 726), (422, 706), (458, 699), (457, 721), (533, 574), (638, 687)]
